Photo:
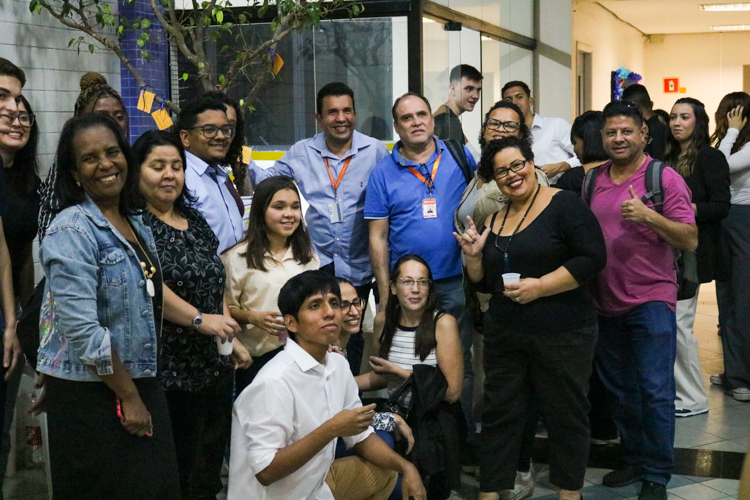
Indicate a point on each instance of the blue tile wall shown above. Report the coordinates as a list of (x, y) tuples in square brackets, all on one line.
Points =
[(155, 72)]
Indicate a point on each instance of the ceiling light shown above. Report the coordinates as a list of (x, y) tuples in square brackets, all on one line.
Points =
[(724, 7), (733, 27)]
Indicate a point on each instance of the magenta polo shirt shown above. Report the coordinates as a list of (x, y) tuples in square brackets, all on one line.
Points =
[(640, 265)]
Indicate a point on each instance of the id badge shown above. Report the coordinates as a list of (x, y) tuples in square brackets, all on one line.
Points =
[(334, 212), (429, 208)]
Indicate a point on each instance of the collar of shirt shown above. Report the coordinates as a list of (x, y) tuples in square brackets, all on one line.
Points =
[(203, 168), (305, 361), (318, 143), (288, 255), (403, 162), (538, 121)]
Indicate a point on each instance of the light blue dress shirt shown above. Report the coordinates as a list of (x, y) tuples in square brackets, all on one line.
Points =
[(344, 243), (214, 200)]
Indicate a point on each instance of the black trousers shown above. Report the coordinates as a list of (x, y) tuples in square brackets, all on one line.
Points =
[(93, 457), (355, 348), (555, 368), (201, 424)]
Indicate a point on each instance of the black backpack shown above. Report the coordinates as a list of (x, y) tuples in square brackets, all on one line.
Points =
[(685, 263), (459, 154)]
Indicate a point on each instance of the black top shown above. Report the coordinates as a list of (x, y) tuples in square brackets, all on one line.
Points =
[(447, 125), (190, 361), (20, 219), (709, 184), (567, 234), (572, 180), (3, 195), (658, 132)]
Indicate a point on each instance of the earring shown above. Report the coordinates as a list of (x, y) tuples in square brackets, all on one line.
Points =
[(78, 184)]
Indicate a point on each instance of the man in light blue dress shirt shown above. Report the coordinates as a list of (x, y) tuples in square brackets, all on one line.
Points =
[(331, 170), (206, 134)]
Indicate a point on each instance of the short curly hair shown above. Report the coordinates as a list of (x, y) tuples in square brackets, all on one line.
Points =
[(486, 168)]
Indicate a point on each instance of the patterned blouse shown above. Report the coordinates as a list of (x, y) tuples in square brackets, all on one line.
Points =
[(190, 361)]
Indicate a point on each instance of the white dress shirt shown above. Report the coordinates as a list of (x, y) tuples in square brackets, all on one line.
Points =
[(552, 143), (291, 396), (214, 201)]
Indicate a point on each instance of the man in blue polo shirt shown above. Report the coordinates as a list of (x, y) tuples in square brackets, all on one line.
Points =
[(331, 170), (411, 198)]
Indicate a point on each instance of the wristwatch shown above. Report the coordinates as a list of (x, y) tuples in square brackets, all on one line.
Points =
[(198, 320)]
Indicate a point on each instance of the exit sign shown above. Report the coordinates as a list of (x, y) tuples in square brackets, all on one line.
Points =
[(671, 85)]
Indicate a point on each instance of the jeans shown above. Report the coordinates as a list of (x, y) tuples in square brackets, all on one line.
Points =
[(635, 358), (451, 299)]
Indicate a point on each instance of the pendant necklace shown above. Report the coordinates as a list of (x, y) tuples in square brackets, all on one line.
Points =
[(148, 275), (506, 260)]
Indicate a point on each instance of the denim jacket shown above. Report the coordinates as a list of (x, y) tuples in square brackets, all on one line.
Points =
[(95, 298)]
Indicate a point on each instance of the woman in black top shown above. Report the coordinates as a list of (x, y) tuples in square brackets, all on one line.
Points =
[(706, 173), (539, 333), (196, 379)]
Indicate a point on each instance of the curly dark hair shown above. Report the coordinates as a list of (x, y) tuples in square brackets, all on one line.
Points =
[(525, 132), (69, 192), (486, 168)]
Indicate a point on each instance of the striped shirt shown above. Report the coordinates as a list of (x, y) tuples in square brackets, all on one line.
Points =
[(402, 354)]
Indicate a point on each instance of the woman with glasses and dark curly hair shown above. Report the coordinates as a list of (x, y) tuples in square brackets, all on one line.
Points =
[(541, 327)]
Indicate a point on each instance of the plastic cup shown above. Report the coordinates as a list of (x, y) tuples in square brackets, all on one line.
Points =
[(509, 278), (225, 348)]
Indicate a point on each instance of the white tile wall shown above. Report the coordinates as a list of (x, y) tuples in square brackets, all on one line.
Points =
[(38, 43)]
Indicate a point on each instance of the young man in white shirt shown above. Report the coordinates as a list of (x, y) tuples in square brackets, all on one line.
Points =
[(553, 151), (285, 424)]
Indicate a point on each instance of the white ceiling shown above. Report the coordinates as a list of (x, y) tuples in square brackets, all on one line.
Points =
[(673, 16)]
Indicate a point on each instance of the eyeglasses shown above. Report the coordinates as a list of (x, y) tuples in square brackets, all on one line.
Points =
[(408, 282), (210, 131), (358, 303), (493, 124), (25, 119), (516, 166)]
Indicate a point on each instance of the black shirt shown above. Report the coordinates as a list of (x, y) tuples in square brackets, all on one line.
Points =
[(572, 180), (658, 132), (447, 125), (567, 234)]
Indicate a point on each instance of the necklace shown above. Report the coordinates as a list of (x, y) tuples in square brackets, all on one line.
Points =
[(506, 260), (147, 274)]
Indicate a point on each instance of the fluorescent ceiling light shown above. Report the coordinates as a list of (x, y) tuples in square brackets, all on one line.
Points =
[(733, 27), (724, 7)]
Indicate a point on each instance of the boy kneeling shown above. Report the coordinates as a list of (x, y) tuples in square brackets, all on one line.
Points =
[(285, 424)]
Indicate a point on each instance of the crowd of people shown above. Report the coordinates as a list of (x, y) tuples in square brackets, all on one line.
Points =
[(569, 257)]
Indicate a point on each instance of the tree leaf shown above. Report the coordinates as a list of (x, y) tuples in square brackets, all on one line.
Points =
[(220, 17), (184, 77), (146, 23), (92, 48)]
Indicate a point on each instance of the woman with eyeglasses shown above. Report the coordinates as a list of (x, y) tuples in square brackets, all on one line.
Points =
[(541, 327), (276, 247)]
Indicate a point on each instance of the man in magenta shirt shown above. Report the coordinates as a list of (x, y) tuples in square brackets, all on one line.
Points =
[(635, 296)]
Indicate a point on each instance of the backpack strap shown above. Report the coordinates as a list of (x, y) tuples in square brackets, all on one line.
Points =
[(459, 154), (654, 185), (589, 184)]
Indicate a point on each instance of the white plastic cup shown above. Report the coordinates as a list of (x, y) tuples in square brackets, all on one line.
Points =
[(509, 278), (225, 348)]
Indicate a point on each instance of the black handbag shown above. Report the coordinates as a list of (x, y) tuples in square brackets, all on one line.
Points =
[(392, 405), (27, 328)]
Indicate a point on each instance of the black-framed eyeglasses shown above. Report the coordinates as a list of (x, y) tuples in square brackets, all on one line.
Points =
[(516, 166), (25, 119), (409, 282), (210, 131), (510, 126), (358, 303)]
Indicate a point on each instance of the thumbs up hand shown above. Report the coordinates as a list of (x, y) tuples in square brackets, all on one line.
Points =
[(633, 210)]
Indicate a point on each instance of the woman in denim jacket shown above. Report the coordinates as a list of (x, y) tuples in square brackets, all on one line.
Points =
[(109, 429)]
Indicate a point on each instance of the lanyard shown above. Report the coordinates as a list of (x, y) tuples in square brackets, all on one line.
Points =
[(419, 176), (336, 184)]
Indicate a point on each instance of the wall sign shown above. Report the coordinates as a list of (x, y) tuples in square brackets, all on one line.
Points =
[(671, 85)]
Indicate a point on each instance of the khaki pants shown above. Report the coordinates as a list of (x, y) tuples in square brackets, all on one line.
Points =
[(352, 478)]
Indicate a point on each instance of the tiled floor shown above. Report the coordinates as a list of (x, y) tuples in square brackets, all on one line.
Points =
[(726, 427)]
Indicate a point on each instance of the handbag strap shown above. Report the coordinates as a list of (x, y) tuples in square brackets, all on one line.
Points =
[(401, 390)]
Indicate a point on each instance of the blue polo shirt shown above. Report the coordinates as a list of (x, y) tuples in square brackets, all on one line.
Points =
[(396, 194)]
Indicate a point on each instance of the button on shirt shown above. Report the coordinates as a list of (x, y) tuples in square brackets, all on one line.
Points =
[(344, 243), (213, 200), (292, 396), (552, 143), (396, 194)]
